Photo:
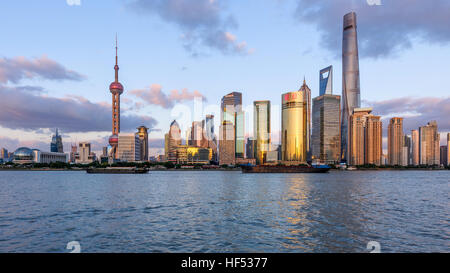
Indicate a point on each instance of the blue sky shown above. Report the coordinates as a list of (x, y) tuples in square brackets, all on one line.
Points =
[(285, 40)]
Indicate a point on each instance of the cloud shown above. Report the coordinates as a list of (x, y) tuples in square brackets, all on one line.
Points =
[(416, 111), (73, 2), (155, 96), (30, 111), (202, 22), (16, 69), (383, 30)]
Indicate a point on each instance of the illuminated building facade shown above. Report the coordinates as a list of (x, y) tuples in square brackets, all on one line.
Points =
[(193, 155), (173, 140), (294, 128), (350, 79), (395, 141), (365, 138), (326, 131), (429, 140), (231, 113), (415, 146), (307, 99), (261, 130), (143, 140), (129, 148)]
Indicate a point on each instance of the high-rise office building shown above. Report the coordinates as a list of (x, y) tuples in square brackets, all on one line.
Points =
[(365, 137), (350, 78), (73, 152), (173, 141), (84, 154), (166, 146), (233, 122), (116, 89), (326, 121), (209, 127), (250, 148), (196, 137), (429, 140), (443, 156), (307, 98), (261, 129), (143, 139), (448, 149), (415, 146), (227, 144), (326, 81), (294, 128), (129, 148), (3, 153), (56, 146), (395, 141), (407, 146)]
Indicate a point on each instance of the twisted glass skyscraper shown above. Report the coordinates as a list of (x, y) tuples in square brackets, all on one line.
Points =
[(350, 78)]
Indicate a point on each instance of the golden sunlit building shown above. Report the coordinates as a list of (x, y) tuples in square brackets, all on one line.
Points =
[(193, 155), (395, 141), (429, 140), (294, 129), (261, 130), (365, 138)]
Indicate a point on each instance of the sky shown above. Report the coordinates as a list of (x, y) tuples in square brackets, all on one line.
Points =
[(57, 60)]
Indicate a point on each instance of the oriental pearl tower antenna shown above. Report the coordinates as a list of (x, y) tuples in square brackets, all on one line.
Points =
[(116, 89)]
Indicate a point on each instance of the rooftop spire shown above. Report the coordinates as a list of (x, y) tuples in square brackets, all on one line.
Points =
[(116, 67)]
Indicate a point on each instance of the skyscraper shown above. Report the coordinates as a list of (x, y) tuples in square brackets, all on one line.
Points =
[(250, 148), (261, 129), (415, 147), (294, 127), (307, 99), (116, 89), (129, 148), (365, 138), (406, 160), (209, 127), (326, 121), (73, 152), (443, 156), (3, 153), (196, 134), (350, 78), (56, 146), (227, 143), (143, 139), (233, 122), (373, 149), (395, 141), (326, 81), (174, 140), (429, 144), (448, 149)]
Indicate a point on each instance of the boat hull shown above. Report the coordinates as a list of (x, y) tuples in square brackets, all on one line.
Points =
[(283, 169), (117, 171)]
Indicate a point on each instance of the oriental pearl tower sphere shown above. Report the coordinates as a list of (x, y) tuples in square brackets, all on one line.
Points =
[(116, 90)]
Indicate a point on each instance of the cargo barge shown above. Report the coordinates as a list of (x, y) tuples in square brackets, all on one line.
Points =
[(285, 169), (117, 170)]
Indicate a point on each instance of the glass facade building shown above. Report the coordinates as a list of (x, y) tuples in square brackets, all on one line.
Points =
[(294, 127), (326, 131), (261, 129), (350, 79)]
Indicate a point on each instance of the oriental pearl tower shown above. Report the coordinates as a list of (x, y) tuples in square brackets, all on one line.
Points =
[(116, 89)]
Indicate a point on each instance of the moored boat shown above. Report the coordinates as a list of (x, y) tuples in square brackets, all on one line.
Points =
[(117, 170), (285, 169)]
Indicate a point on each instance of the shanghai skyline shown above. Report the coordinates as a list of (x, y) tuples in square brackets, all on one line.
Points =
[(66, 72)]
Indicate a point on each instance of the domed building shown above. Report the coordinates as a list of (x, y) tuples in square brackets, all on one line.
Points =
[(25, 155)]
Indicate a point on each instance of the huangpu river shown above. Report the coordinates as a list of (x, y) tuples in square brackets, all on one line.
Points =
[(214, 211)]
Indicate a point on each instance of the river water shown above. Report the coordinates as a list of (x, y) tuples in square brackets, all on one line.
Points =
[(214, 211)]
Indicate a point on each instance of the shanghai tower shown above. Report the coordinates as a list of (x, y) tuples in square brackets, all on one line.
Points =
[(350, 78)]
